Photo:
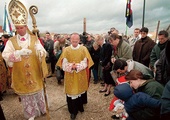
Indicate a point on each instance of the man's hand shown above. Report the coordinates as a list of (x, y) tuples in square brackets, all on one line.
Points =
[(38, 47), (74, 67)]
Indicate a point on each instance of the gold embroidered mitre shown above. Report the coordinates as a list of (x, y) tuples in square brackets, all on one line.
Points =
[(18, 13)]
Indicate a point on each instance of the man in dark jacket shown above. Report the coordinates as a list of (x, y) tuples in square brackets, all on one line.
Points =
[(49, 47), (155, 54), (163, 66), (143, 47)]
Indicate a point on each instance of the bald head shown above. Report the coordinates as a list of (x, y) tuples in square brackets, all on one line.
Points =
[(75, 39)]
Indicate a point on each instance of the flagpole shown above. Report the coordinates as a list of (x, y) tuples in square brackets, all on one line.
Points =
[(126, 32), (129, 14), (6, 23), (143, 19), (4, 20)]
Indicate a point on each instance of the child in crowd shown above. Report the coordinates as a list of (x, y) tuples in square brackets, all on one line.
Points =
[(116, 104)]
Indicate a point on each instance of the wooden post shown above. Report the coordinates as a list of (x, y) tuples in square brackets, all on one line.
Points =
[(84, 25), (157, 30)]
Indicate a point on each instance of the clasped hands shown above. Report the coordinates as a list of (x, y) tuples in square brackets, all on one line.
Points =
[(77, 67), (74, 66)]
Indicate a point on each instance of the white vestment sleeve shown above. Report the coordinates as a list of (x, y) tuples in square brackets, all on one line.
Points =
[(67, 66), (8, 51)]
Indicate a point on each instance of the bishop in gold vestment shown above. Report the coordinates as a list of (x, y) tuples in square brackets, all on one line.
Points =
[(27, 76), (25, 54)]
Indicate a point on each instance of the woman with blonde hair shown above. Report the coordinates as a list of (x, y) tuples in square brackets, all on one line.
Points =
[(105, 61), (95, 54)]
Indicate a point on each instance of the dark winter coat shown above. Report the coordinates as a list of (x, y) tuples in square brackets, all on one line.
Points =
[(49, 47), (155, 54), (105, 61), (89, 45), (163, 66), (135, 102), (165, 103), (155, 90), (105, 55), (95, 55), (142, 50)]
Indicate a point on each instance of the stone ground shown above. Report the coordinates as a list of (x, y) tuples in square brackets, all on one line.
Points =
[(96, 109)]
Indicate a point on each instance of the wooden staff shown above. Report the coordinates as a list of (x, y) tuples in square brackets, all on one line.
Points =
[(34, 10)]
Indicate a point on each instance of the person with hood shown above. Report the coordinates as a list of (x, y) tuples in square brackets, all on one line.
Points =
[(148, 86), (135, 102)]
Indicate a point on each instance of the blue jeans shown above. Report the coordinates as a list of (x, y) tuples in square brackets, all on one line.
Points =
[(95, 74)]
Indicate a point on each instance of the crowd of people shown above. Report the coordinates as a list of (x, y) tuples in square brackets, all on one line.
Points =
[(137, 68)]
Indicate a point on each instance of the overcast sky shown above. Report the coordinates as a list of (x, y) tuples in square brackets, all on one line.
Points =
[(66, 16)]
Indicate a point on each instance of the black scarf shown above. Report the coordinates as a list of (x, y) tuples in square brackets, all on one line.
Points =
[(162, 46)]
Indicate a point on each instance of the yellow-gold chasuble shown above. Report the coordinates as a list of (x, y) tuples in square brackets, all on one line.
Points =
[(27, 77), (76, 83)]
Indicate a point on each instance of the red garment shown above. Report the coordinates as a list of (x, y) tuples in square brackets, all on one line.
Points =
[(55, 40), (112, 103), (119, 80), (5, 42), (41, 41), (23, 39), (115, 50)]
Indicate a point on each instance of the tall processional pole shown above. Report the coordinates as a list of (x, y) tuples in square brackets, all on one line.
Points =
[(34, 10)]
